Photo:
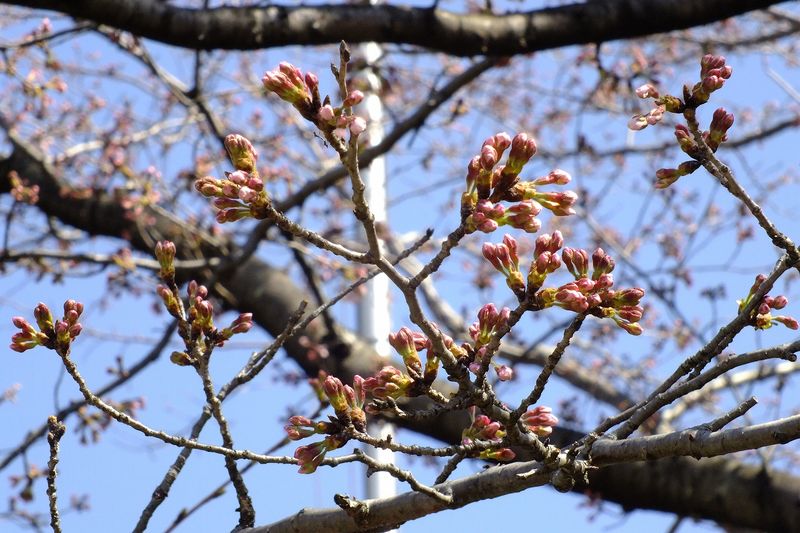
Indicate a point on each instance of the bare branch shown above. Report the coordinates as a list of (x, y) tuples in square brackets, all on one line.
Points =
[(249, 28)]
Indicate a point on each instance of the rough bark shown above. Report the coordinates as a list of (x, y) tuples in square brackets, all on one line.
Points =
[(249, 28)]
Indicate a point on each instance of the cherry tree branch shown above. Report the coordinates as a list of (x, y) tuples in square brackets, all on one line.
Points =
[(458, 34)]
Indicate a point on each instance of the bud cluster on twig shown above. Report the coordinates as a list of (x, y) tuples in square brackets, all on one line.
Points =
[(55, 335), (761, 317), (489, 183), (713, 73), (592, 295)]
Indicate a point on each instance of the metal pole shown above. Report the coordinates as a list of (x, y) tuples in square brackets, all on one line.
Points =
[(374, 321)]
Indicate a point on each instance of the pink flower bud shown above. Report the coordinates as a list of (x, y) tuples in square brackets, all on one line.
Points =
[(632, 328), (523, 148), (788, 321), (504, 373), (489, 157), (241, 152), (647, 91), (638, 122), (326, 114), (354, 98), (555, 177), (631, 313), (780, 302), (358, 126)]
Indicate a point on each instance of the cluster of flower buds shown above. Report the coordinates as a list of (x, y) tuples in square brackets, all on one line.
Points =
[(503, 257), (484, 429), (640, 121), (540, 420), (310, 456), (348, 404), (56, 335), (241, 194), (347, 401), (545, 259), (488, 216), (490, 321), (340, 121), (20, 191), (586, 294), (197, 325), (300, 427), (389, 382), (408, 343), (489, 182), (302, 91), (717, 133), (165, 254), (713, 73), (289, 84), (761, 317), (667, 176)]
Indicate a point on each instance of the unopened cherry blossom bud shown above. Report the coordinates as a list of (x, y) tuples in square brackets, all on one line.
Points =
[(354, 98), (560, 203), (334, 390), (523, 216), (602, 263), (555, 177), (248, 195), (631, 313), (523, 148), (312, 82), (721, 122), (403, 342), (243, 323), (241, 152), (389, 382), (779, 302), (504, 258), (502, 455), (358, 126), (540, 420), (299, 427), (628, 297), (571, 299), (500, 141), (489, 157), (504, 373), (685, 139), (165, 254), (208, 187), (637, 122), (647, 91), (576, 261), (709, 62), (21, 323), (788, 321), (632, 328), (239, 177), (44, 319), (288, 83), (226, 203), (326, 114)]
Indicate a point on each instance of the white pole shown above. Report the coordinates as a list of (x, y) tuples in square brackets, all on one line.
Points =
[(374, 321)]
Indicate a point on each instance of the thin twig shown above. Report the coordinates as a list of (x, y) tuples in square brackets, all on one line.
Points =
[(56, 431)]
